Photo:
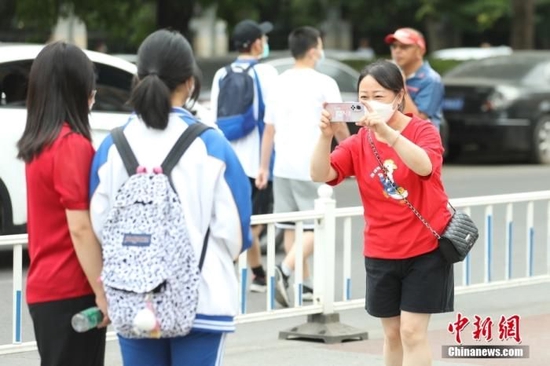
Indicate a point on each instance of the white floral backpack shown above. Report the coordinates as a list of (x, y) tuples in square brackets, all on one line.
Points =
[(149, 261)]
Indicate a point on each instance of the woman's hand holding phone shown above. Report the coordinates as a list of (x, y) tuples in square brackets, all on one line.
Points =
[(374, 122), (325, 124)]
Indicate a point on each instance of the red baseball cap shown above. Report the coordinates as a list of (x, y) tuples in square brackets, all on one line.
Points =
[(407, 36)]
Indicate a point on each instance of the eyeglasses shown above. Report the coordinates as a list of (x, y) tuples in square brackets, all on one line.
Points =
[(404, 47)]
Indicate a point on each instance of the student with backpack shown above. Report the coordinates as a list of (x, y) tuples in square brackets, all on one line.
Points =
[(240, 92), (170, 206)]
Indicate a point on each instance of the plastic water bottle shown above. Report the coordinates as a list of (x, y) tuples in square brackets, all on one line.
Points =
[(87, 319)]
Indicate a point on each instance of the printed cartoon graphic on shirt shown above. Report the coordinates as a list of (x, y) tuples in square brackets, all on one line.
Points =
[(387, 181)]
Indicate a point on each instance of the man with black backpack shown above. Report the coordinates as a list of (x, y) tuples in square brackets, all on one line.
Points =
[(238, 96)]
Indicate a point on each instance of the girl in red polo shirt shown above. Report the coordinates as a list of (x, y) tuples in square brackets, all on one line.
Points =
[(65, 257), (407, 277)]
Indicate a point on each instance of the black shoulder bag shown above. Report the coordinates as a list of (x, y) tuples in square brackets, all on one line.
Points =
[(460, 234)]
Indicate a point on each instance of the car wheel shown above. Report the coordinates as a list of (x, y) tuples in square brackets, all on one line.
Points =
[(541, 141)]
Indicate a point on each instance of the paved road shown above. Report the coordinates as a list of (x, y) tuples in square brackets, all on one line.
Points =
[(258, 344), (460, 181)]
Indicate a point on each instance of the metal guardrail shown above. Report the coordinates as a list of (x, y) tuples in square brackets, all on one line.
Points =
[(325, 215)]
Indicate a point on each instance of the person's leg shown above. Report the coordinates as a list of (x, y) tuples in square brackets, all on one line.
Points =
[(145, 352), (289, 240), (198, 349), (283, 202), (393, 350), (254, 258), (383, 300), (428, 288), (58, 344), (254, 254), (290, 259), (414, 337), (283, 272), (288, 264), (304, 194)]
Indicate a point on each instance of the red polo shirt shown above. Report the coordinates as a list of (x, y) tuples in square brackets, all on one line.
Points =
[(392, 231), (57, 180)]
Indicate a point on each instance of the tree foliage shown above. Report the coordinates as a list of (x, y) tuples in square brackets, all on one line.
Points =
[(465, 14), (130, 20)]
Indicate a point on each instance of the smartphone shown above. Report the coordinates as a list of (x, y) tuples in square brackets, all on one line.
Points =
[(346, 111)]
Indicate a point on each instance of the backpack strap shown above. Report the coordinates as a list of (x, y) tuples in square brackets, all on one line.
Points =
[(229, 69), (261, 104), (251, 66), (204, 246), (127, 155), (183, 143), (174, 156)]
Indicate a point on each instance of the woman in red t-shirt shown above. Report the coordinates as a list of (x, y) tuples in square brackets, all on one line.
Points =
[(65, 256), (393, 157)]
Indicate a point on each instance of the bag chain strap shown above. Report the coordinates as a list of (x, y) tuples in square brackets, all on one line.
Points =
[(384, 171)]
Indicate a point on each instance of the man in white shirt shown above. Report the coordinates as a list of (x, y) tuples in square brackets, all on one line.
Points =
[(292, 127), (250, 40)]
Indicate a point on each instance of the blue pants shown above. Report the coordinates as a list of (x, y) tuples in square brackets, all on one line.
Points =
[(195, 349)]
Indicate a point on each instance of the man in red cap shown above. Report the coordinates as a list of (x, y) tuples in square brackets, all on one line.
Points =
[(423, 83)]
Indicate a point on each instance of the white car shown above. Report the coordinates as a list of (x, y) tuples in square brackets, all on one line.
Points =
[(471, 53), (114, 81)]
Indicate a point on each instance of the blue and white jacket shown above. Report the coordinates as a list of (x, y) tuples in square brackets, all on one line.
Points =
[(214, 191)]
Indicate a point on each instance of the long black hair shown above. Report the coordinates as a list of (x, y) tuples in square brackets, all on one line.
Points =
[(388, 75), (61, 82), (165, 61)]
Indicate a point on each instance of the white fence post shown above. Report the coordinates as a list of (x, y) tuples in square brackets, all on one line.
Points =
[(325, 326), (326, 239), (17, 292)]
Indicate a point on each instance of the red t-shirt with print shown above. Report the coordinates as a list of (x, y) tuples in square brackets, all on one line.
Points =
[(392, 231), (57, 180)]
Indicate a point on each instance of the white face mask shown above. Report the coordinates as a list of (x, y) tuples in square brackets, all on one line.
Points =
[(384, 110), (321, 58)]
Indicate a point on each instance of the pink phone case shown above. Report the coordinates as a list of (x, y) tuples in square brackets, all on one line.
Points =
[(346, 111)]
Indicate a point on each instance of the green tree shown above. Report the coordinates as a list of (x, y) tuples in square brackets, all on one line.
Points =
[(444, 21), (447, 20), (129, 20)]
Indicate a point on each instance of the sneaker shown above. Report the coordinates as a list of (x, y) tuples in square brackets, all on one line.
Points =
[(307, 293), (258, 284), (281, 286)]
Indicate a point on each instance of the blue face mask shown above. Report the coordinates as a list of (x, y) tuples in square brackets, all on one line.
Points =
[(265, 53)]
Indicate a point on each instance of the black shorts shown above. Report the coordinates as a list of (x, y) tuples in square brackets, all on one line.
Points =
[(262, 199), (422, 284), (58, 344)]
